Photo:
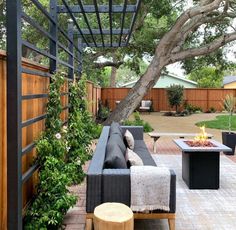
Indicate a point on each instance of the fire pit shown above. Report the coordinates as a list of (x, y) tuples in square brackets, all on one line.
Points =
[(201, 161)]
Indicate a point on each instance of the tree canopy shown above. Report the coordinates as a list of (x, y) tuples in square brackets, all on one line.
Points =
[(207, 77)]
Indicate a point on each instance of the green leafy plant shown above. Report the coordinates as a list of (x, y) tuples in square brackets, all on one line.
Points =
[(81, 130), (62, 151), (103, 112), (192, 108), (52, 199), (139, 122), (175, 95), (229, 103)]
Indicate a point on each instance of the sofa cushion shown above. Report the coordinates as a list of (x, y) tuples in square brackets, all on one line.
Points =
[(129, 139), (114, 157), (133, 158), (142, 151), (116, 139), (116, 129)]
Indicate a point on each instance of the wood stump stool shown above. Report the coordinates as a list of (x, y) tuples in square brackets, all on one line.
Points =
[(113, 216)]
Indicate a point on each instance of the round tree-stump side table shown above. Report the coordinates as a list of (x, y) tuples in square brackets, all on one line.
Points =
[(113, 216)]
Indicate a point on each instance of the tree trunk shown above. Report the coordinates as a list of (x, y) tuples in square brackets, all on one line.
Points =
[(113, 77), (125, 108), (113, 73)]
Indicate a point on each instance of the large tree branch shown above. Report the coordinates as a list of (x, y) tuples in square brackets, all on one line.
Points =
[(108, 63), (173, 37), (217, 43), (194, 11)]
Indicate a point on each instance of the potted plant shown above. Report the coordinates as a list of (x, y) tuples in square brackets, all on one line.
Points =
[(229, 138)]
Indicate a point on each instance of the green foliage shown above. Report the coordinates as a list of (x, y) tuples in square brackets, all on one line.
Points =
[(103, 112), (212, 110), (221, 122), (229, 103), (80, 131), (207, 77), (192, 108), (54, 108), (175, 95), (61, 153), (139, 122), (52, 200)]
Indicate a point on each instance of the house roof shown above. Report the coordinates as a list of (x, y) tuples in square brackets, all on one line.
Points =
[(229, 79), (181, 78), (165, 74)]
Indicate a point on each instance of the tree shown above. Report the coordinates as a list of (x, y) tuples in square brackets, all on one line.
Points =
[(172, 48), (175, 95), (207, 77)]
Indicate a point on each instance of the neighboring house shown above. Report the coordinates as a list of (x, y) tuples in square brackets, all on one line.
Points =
[(229, 82), (166, 80)]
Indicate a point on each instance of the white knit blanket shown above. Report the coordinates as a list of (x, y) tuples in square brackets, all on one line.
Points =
[(150, 188)]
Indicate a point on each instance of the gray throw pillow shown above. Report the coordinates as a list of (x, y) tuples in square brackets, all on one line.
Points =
[(115, 128), (115, 139), (114, 157)]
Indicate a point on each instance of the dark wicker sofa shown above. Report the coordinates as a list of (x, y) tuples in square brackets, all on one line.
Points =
[(113, 185)]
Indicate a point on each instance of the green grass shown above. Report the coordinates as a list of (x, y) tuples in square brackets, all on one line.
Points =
[(221, 122)]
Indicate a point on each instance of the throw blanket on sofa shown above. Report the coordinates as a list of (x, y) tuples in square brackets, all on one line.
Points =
[(150, 188)]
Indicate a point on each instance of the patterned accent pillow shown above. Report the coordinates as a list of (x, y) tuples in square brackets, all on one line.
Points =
[(133, 158), (129, 139)]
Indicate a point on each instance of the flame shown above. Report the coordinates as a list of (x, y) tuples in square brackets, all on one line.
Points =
[(202, 136)]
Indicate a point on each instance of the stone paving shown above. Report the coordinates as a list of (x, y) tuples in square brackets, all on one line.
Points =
[(75, 218)]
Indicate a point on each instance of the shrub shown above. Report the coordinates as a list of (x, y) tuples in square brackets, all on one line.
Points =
[(103, 112), (229, 103), (139, 122), (175, 95), (192, 108)]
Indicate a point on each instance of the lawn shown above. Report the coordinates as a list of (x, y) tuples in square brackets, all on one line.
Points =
[(221, 122)]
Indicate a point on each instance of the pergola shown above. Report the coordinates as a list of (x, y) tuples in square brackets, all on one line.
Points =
[(78, 38)]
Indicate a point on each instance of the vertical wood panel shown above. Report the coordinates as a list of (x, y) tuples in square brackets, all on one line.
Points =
[(3, 149)]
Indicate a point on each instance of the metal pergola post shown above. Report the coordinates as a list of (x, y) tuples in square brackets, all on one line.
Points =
[(80, 45), (71, 49), (54, 34), (14, 133)]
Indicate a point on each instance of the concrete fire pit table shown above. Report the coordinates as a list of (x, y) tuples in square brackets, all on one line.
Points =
[(201, 165)]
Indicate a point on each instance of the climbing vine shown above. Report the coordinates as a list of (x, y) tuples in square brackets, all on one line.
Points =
[(61, 152)]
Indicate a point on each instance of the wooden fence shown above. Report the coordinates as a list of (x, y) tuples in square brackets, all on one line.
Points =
[(93, 96), (204, 98), (31, 108)]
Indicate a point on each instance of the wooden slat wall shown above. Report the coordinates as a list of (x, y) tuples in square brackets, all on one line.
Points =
[(93, 96), (3, 160), (204, 98), (31, 84)]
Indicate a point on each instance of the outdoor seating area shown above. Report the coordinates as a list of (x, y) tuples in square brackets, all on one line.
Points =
[(195, 209)]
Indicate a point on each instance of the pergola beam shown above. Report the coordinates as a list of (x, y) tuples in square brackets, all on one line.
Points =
[(104, 31), (100, 9), (105, 45), (138, 4), (98, 19)]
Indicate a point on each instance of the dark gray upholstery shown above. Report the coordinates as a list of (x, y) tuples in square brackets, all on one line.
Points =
[(141, 149), (115, 158), (113, 185)]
